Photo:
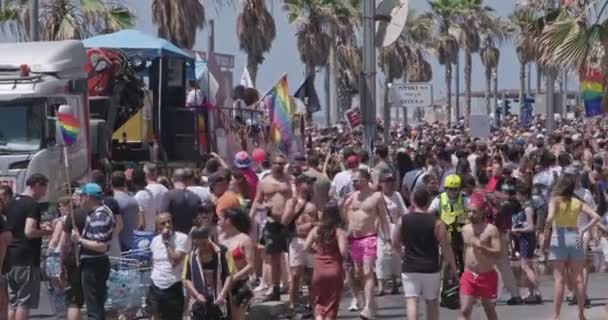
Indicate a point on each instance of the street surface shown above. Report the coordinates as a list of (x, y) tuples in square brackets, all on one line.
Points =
[(393, 307)]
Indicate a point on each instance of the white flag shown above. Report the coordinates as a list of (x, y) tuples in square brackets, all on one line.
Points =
[(246, 79)]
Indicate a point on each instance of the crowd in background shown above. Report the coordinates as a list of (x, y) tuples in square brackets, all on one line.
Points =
[(432, 213)]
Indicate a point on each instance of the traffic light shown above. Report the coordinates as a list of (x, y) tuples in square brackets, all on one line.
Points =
[(498, 110), (507, 106)]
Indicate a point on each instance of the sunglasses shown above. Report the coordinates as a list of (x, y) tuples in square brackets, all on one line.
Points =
[(280, 163)]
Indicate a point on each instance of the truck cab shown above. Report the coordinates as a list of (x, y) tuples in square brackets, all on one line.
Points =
[(35, 79)]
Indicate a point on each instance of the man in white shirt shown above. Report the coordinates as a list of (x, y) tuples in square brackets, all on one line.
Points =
[(166, 295), (194, 97), (157, 190)]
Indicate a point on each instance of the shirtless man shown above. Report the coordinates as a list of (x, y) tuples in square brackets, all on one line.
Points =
[(272, 194), (364, 211), (481, 251), (300, 217)]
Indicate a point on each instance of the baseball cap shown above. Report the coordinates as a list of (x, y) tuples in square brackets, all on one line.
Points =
[(352, 161), (242, 160), (92, 190), (477, 201)]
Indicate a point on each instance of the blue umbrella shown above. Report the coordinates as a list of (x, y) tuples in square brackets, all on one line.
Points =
[(136, 42)]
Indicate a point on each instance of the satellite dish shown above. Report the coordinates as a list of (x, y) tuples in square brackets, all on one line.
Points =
[(391, 16)]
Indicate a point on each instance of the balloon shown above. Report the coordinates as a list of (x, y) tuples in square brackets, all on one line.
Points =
[(258, 155)]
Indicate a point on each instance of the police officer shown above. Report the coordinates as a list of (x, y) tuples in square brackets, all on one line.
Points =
[(450, 207)]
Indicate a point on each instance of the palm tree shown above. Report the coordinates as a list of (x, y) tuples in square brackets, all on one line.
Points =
[(256, 30), (445, 13), (570, 38), (178, 21), (523, 18), (494, 30), (415, 39), (65, 19), (473, 17)]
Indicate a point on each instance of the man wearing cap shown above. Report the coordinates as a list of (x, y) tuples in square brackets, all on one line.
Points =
[(481, 249), (300, 216), (226, 198), (243, 162), (94, 243), (181, 203)]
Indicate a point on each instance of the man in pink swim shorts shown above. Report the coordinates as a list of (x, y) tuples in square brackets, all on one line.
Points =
[(363, 209)]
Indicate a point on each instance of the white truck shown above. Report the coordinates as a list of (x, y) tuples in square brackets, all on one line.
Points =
[(35, 79)]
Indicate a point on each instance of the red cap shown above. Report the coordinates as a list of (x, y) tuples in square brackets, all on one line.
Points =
[(352, 161), (477, 201)]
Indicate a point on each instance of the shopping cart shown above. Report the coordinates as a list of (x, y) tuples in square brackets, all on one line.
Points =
[(128, 284)]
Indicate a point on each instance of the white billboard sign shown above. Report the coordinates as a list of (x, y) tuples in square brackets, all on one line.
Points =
[(412, 95)]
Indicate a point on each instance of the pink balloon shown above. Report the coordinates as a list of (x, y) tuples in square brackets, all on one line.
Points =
[(258, 155)]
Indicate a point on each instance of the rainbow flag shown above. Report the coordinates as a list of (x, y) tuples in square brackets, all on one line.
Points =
[(69, 127), (278, 103), (592, 91)]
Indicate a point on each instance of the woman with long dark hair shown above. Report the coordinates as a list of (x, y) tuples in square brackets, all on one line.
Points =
[(235, 225), (328, 241), (564, 239)]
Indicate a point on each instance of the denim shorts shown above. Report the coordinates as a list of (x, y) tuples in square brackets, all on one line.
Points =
[(565, 246)]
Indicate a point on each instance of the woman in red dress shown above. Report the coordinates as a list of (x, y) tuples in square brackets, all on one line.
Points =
[(328, 242)]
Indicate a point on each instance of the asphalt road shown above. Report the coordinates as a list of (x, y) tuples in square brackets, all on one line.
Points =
[(393, 307)]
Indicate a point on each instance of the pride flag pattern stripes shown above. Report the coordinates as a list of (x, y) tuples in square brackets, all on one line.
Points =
[(69, 127), (592, 91), (280, 109)]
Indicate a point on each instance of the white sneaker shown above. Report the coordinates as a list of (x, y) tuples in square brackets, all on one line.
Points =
[(354, 305), (261, 287)]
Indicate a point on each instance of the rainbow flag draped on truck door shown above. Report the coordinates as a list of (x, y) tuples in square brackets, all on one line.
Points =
[(591, 80), (280, 109)]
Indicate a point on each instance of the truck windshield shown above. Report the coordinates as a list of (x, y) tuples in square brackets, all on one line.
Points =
[(21, 125)]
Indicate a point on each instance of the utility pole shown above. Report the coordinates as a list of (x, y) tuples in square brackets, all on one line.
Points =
[(368, 81), (34, 20), (211, 36), (458, 89), (550, 90)]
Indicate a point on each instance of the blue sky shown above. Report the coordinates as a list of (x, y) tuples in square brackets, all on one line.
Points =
[(284, 57)]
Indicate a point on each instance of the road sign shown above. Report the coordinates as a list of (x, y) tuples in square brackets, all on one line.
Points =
[(412, 95)]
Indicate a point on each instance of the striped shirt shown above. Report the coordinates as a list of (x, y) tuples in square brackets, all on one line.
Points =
[(98, 227)]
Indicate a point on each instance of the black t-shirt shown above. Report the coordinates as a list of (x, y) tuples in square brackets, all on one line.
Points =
[(183, 206), (111, 203), (22, 251), (504, 217), (80, 216)]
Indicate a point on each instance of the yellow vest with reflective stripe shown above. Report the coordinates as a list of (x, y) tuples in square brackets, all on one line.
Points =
[(451, 213)]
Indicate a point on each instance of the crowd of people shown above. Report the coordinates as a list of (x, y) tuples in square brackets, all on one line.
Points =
[(434, 214)]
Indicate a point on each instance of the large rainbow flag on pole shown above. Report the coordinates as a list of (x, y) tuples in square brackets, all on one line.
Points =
[(592, 91), (279, 105)]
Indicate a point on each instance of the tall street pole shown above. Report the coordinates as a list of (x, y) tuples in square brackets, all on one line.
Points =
[(457, 65), (550, 90), (368, 81), (34, 20)]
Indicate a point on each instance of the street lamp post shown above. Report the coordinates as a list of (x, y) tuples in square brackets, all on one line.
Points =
[(34, 20)]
